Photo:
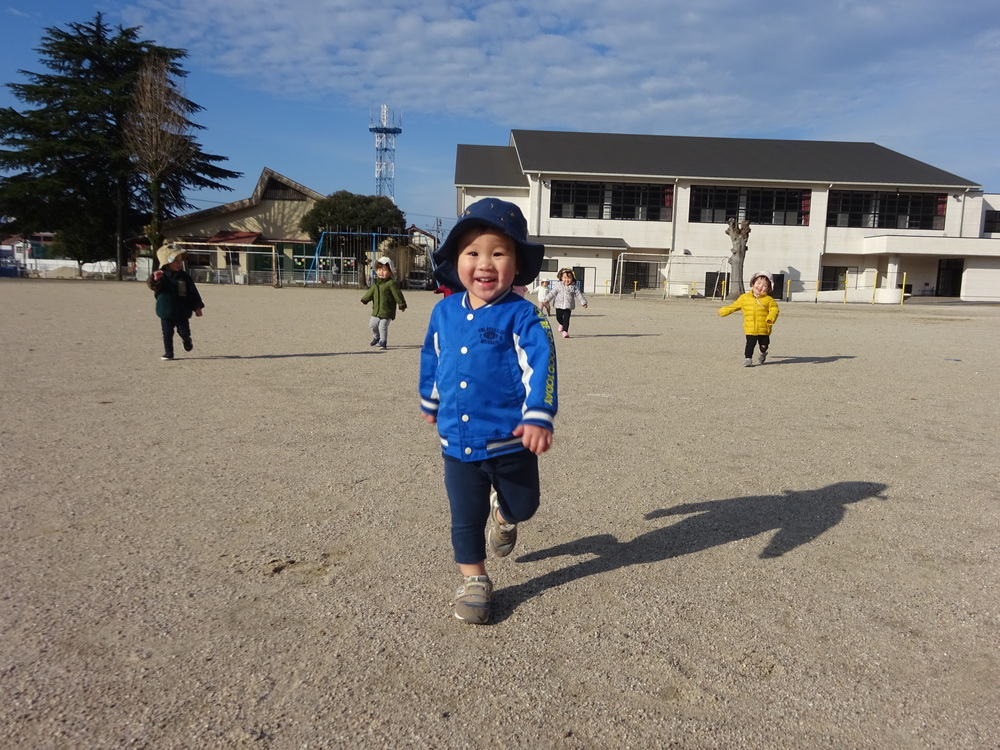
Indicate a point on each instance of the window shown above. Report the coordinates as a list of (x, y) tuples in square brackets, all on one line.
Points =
[(835, 277), (992, 221), (607, 200), (712, 204), (199, 259), (549, 265), (852, 208)]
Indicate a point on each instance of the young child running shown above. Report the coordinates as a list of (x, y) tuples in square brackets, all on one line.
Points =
[(488, 381), (385, 295), (759, 313), (564, 298), (543, 297), (176, 298)]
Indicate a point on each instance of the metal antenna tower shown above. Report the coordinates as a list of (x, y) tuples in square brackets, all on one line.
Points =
[(385, 132)]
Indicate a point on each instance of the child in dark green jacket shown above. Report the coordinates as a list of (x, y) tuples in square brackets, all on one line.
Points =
[(385, 296), (176, 298)]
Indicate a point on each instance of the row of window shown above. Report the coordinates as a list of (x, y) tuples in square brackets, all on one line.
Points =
[(852, 208), (992, 221), (611, 200), (715, 205), (712, 204)]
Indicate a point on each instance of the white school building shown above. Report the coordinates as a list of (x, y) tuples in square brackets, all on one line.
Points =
[(831, 220)]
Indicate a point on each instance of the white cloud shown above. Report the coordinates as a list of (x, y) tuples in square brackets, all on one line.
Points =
[(851, 69)]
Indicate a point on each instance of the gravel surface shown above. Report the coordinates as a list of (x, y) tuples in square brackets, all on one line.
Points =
[(248, 546)]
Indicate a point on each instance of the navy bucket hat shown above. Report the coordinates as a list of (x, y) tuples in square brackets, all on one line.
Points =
[(502, 216)]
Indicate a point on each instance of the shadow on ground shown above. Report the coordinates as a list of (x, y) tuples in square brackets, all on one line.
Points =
[(796, 518), (807, 360)]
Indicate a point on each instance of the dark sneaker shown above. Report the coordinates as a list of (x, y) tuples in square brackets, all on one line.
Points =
[(762, 358), (472, 600), (382, 346), (748, 362), (374, 341), (166, 357), (188, 345), (501, 537)]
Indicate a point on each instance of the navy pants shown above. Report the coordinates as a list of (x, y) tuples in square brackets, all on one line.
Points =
[(183, 326), (562, 317), (468, 483), (753, 341)]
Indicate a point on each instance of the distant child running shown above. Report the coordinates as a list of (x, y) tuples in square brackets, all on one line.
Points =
[(385, 294), (564, 298), (176, 298), (488, 381), (543, 297), (759, 313)]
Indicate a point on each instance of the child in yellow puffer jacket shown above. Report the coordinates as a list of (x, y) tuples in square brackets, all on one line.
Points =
[(759, 313)]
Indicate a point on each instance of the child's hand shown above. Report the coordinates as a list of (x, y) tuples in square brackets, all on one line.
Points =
[(770, 322), (584, 307), (157, 275), (198, 312), (429, 418), (536, 439)]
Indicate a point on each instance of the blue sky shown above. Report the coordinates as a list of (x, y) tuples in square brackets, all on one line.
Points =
[(293, 84)]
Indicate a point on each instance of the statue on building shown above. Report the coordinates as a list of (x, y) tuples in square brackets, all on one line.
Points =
[(739, 234)]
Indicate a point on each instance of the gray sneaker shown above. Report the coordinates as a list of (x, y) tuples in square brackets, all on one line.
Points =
[(762, 358), (501, 537), (472, 600), (748, 362)]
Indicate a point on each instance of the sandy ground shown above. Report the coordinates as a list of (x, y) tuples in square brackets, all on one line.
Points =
[(248, 546)]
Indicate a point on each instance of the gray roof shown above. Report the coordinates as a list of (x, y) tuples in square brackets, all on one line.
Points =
[(567, 154), (488, 166)]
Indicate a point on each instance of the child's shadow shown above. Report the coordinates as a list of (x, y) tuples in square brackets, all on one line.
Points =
[(796, 518)]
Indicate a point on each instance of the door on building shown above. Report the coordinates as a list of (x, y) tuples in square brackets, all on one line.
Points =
[(581, 274), (949, 279)]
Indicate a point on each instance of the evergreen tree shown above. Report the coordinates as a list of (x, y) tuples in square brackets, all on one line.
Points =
[(69, 169), (346, 211)]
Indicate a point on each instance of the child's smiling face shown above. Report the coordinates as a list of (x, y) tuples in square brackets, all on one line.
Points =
[(761, 286), (487, 265), (383, 272)]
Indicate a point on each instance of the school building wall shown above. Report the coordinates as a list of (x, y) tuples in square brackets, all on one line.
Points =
[(880, 256)]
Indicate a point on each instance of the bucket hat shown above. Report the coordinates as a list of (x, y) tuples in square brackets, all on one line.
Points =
[(168, 254), (502, 216)]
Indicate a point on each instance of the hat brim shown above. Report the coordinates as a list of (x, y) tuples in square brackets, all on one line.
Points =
[(529, 255), (166, 256)]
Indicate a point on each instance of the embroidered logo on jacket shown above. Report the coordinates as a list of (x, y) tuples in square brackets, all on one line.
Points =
[(491, 336)]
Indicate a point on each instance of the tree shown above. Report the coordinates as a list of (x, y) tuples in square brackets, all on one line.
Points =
[(68, 168), (351, 212), (739, 234), (157, 135)]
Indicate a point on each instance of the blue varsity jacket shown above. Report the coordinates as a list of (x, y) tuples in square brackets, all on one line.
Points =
[(484, 372)]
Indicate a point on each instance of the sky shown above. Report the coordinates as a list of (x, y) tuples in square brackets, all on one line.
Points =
[(294, 85)]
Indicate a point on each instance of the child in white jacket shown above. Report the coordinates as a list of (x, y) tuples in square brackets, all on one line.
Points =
[(543, 297)]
